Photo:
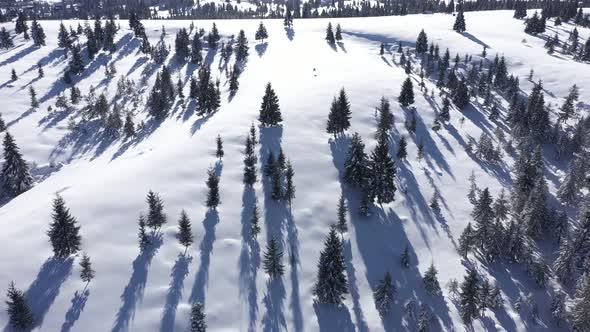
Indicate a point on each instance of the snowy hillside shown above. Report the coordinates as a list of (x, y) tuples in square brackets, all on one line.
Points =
[(104, 180)]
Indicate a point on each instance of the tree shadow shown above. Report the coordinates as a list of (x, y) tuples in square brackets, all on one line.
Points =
[(290, 32), (261, 48), (361, 324), (475, 39), (19, 55), (333, 318), (341, 45), (293, 241), (249, 261), (179, 272), (273, 318), (45, 289), (198, 293), (73, 313), (133, 292)]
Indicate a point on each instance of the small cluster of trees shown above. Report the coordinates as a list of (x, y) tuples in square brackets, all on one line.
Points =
[(332, 37)]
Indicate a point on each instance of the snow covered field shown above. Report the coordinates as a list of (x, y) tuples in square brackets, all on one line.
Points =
[(105, 182)]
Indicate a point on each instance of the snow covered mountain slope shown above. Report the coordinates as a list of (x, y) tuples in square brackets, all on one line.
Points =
[(104, 182)]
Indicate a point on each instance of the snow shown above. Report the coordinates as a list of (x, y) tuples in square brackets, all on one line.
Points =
[(104, 183)]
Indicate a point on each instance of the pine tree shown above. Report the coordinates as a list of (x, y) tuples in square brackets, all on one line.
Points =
[(21, 24), (330, 34), (270, 113), (76, 65), (2, 124), (385, 117), (5, 39), (382, 173), (581, 308), (249, 163), (272, 261), (331, 284), (468, 297), (219, 150), (342, 212), (558, 311), (185, 235), (424, 318), (356, 164), (213, 199), (404, 258), (155, 217), (142, 235), (501, 206), (181, 45), (466, 241), (37, 33), (33, 95), (444, 114), (129, 126), (64, 230), (241, 47), (384, 295), (430, 280), (213, 37), (197, 321), (276, 183), (568, 109), (564, 264), (339, 117), (459, 25), (195, 52), (434, 203), (406, 96), (483, 215), (255, 221), (87, 273), (402, 152), (261, 33), (19, 313), (422, 43), (289, 194), (13, 75), (15, 178)]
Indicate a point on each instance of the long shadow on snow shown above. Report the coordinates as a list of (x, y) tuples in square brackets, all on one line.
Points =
[(198, 293), (73, 313), (273, 318), (381, 238), (45, 288), (19, 55), (133, 292), (179, 272), (249, 261)]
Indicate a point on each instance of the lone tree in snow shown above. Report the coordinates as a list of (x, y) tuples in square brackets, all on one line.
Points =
[(383, 294), (219, 151), (185, 235), (213, 199), (156, 217), (430, 280), (87, 273), (331, 284), (261, 33), (342, 211), (273, 260), (197, 323), (459, 25), (422, 43), (19, 313), (64, 232), (339, 116), (406, 96), (15, 177), (382, 173), (270, 112)]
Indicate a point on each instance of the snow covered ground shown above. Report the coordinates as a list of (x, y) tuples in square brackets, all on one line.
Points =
[(105, 182)]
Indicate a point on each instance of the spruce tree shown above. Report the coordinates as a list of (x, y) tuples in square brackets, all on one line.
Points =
[(87, 273), (568, 109), (402, 152), (213, 37), (15, 178), (422, 43), (270, 113), (241, 46), (581, 308), (13, 75), (213, 199), (342, 212), (197, 320), (459, 25), (249, 162), (289, 194), (184, 235), (424, 318), (5, 39), (430, 280), (466, 241), (382, 173), (37, 33), (468, 297), (64, 230), (272, 262), (339, 116), (564, 264), (331, 284), (129, 126), (76, 65), (338, 34), (356, 165), (276, 183), (19, 313), (385, 123), (255, 221), (384, 295), (219, 150), (404, 258), (261, 33), (444, 114), (330, 34), (155, 217), (2, 124), (406, 96), (196, 48), (181, 45)]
